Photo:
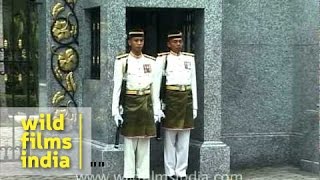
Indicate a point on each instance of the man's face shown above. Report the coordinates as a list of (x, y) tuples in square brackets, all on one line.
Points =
[(136, 43), (175, 44)]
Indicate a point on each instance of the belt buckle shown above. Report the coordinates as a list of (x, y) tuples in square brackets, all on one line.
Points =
[(182, 88), (140, 92)]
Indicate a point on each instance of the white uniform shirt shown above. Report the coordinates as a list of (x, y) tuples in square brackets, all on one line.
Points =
[(140, 75), (181, 70)]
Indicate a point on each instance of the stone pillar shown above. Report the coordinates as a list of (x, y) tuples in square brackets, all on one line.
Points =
[(214, 155), (48, 85), (45, 74), (44, 49), (113, 41)]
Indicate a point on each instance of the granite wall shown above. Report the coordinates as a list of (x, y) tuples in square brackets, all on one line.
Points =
[(305, 145), (269, 79), (257, 70)]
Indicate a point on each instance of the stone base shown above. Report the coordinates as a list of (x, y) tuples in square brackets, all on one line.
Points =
[(96, 156), (209, 159), (310, 166), (205, 159), (112, 158)]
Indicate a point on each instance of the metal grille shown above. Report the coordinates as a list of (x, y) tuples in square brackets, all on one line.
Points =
[(18, 69), (95, 43)]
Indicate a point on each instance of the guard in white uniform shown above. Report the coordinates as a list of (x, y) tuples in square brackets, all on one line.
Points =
[(137, 118), (178, 93)]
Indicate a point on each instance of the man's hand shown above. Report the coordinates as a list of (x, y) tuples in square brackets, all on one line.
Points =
[(163, 105), (118, 118), (156, 118), (120, 109), (195, 114), (161, 114)]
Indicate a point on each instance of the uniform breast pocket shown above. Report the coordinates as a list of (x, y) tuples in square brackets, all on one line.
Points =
[(133, 70), (170, 72), (133, 74)]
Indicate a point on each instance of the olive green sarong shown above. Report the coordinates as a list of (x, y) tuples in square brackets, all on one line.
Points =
[(179, 110), (138, 116)]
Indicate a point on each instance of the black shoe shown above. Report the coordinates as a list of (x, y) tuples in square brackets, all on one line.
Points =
[(181, 178), (171, 177)]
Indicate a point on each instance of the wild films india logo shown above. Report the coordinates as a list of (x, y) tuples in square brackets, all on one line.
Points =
[(47, 141)]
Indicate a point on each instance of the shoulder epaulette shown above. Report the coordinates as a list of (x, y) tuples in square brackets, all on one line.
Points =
[(188, 54), (122, 56), (162, 54), (150, 57)]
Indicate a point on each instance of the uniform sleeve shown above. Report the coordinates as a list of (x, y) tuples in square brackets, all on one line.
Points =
[(157, 76), (194, 85), (117, 82)]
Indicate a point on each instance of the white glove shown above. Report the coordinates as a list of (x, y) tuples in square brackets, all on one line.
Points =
[(121, 109), (163, 105), (156, 118), (161, 114), (117, 118), (194, 113)]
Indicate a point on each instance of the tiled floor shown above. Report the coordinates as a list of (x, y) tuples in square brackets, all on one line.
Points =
[(276, 173), (266, 173)]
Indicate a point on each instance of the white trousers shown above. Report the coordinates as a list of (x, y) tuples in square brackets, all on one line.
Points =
[(136, 158), (176, 152)]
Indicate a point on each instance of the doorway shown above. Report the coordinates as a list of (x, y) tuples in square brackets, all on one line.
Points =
[(157, 22)]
